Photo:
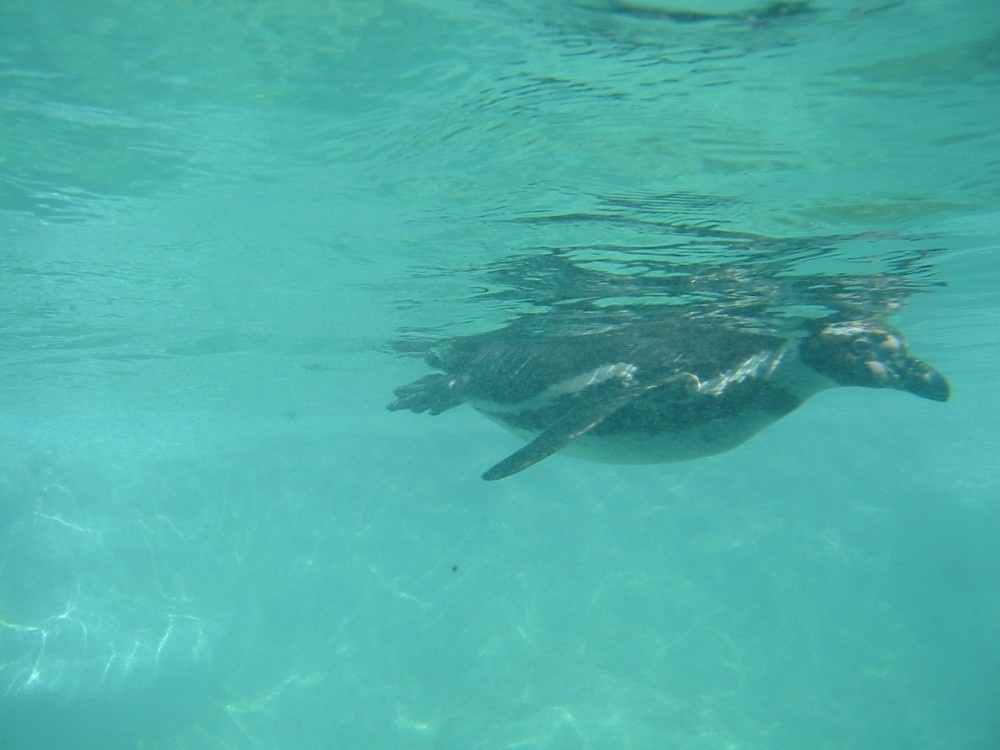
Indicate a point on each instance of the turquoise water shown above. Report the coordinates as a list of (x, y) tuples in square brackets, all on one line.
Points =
[(216, 216)]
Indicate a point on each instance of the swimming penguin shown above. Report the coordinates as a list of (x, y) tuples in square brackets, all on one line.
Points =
[(655, 389)]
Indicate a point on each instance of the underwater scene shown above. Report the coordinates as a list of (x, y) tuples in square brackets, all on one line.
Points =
[(500, 375)]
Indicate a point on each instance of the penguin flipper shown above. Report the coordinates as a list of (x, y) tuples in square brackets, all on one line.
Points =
[(578, 421)]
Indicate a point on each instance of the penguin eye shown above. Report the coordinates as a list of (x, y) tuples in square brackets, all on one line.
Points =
[(861, 346)]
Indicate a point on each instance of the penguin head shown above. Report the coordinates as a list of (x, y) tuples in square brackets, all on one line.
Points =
[(870, 354)]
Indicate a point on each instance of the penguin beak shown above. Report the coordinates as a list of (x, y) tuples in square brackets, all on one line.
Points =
[(922, 380)]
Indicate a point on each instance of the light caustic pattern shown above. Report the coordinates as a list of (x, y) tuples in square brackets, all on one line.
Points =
[(81, 622)]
